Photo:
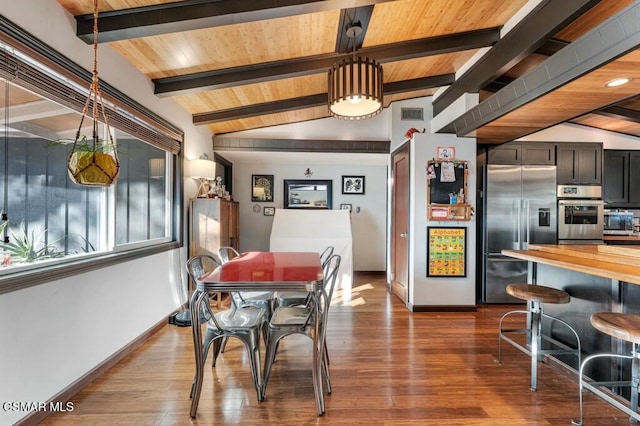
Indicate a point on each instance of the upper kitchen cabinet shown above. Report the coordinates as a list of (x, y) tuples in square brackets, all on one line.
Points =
[(528, 153), (579, 163), (621, 178)]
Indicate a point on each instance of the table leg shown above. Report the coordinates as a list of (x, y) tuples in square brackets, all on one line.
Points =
[(195, 304)]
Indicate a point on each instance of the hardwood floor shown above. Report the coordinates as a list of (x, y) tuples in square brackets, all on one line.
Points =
[(388, 367)]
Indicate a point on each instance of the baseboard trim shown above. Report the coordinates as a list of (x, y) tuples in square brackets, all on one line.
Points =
[(369, 272), (74, 388), (444, 308)]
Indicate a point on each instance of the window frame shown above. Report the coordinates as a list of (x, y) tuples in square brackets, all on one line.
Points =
[(122, 114)]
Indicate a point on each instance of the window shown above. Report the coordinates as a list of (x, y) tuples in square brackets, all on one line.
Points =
[(48, 219)]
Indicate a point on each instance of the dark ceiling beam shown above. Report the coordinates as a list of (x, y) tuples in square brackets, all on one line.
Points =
[(613, 38), (229, 77), (620, 113), (551, 47), (313, 101), (528, 35), (298, 145), (197, 14), (349, 17)]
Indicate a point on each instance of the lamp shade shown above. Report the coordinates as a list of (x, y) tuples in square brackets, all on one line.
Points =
[(355, 88), (201, 169)]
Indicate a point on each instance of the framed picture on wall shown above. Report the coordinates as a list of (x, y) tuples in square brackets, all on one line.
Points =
[(446, 153), (353, 185), (269, 211), (345, 207), (262, 188), (446, 252)]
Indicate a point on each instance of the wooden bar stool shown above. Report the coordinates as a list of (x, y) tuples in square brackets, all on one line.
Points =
[(625, 327), (536, 295)]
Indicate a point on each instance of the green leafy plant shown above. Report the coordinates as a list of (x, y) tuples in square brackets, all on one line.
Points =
[(27, 248), (84, 144)]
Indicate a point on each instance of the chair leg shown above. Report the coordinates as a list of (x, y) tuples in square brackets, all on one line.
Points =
[(223, 346), (217, 348), (270, 356)]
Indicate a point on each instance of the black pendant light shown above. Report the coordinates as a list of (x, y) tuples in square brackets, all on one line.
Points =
[(355, 85)]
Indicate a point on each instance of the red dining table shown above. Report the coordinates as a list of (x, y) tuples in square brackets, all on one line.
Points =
[(262, 271)]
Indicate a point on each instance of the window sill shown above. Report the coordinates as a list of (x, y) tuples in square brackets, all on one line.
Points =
[(46, 273)]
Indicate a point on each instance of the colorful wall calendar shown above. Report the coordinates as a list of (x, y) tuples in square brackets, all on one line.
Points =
[(446, 252)]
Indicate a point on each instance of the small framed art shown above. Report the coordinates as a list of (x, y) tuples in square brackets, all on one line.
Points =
[(353, 185), (446, 153), (262, 188), (269, 211), (345, 207)]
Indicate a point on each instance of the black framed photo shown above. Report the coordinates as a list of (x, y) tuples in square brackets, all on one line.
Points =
[(446, 252), (262, 188), (308, 194), (345, 207), (269, 211), (353, 185)]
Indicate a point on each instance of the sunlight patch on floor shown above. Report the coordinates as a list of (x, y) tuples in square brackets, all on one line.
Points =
[(350, 297)]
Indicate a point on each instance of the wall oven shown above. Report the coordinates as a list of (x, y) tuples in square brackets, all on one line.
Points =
[(580, 214)]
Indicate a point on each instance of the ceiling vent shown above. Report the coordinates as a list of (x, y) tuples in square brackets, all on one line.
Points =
[(414, 114)]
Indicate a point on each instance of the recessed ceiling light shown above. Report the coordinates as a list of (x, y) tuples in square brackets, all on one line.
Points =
[(618, 82)]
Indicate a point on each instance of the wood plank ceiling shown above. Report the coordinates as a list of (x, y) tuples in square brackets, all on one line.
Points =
[(245, 64)]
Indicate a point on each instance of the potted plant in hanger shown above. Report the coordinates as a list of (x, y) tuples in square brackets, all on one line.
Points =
[(93, 162)]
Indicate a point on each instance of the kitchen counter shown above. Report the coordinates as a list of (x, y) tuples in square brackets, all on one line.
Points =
[(622, 239), (599, 278), (615, 262)]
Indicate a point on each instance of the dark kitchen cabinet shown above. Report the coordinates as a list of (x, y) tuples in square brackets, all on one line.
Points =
[(579, 163), (621, 178), (527, 153)]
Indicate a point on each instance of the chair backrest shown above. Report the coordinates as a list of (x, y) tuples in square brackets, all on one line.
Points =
[(198, 266), (326, 254), (330, 272), (226, 253)]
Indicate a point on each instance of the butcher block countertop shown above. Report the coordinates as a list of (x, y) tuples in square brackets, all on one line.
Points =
[(610, 261)]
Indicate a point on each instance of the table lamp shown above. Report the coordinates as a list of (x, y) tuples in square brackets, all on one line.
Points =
[(202, 169)]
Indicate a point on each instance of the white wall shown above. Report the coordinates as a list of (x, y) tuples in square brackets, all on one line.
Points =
[(576, 133), (423, 290), (368, 225), (56, 332)]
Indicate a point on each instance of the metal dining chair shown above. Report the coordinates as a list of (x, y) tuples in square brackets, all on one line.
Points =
[(245, 324), (288, 320), (296, 298)]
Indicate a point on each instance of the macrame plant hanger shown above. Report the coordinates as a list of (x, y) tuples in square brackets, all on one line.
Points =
[(94, 162)]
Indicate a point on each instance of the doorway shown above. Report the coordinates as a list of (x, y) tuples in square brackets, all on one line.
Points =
[(400, 224)]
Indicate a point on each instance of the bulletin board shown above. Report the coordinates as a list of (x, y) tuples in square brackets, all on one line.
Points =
[(446, 181), (446, 252), (439, 190)]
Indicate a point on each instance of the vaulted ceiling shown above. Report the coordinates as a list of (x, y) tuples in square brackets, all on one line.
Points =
[(245, 64)]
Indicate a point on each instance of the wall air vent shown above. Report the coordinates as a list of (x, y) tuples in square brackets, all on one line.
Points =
[(414, 114)]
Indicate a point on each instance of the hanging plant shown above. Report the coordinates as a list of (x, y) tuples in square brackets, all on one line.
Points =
[(94, 162)]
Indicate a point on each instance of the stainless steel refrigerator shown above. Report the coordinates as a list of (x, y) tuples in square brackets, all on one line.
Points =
[(519, 209)]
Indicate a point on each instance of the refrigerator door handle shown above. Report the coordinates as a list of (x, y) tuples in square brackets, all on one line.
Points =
[(515, 209), (527, 220)]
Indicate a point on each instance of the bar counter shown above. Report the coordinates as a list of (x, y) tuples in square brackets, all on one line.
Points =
[(615, 262), (599, 278)]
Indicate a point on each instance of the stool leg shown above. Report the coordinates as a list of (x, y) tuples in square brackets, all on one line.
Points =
[(635, 369), (536, 311)]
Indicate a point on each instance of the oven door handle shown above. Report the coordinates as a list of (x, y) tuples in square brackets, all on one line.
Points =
[(575, 202)]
